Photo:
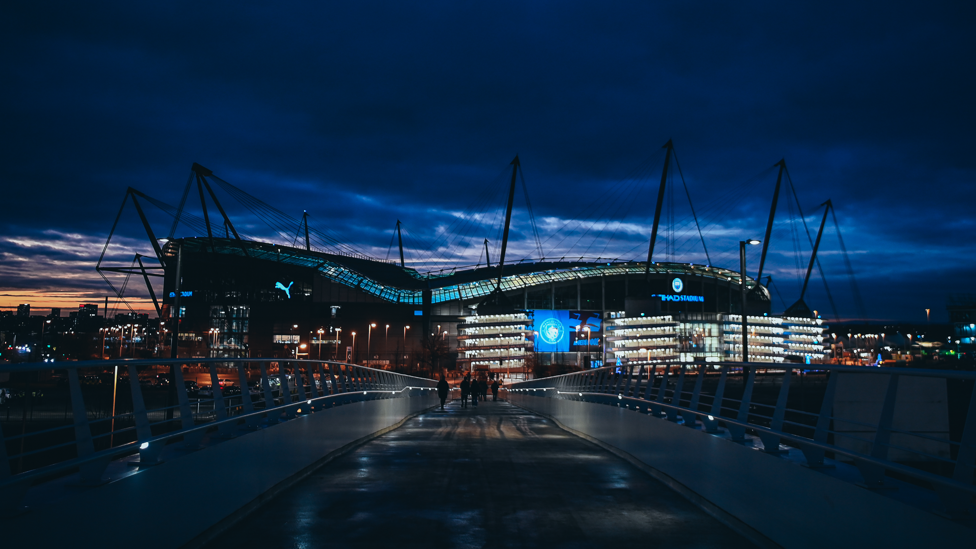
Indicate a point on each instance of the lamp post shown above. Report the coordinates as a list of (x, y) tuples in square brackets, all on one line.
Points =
[(742, 278), (335, 355), (386, 341), (354, 353), (369, 335), (320, 332), (587, 328)]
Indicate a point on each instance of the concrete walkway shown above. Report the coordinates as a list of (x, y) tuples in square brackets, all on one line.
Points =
[(491, 476)]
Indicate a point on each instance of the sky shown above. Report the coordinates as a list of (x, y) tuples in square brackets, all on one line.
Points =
[(363, 113)]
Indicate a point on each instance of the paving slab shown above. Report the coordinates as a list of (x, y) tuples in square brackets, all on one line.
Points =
[(490, 476)]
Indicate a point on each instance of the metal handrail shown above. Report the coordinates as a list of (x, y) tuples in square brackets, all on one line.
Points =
[(660, 393), (337, 383)]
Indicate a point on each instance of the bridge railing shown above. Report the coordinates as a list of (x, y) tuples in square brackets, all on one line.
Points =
[(755, 399), (58, 418)]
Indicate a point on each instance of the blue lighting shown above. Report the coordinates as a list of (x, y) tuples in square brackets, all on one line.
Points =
[(287, 289), (691, 298), (418, 313)]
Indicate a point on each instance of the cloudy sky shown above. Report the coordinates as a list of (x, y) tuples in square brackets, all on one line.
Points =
[(363, 113)]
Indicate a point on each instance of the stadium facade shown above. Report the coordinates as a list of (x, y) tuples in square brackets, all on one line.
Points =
[(245, 298)]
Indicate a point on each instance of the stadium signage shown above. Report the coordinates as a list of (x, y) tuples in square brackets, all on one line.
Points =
[(677, 285), (286, 289), (188, 293), (682, 298)]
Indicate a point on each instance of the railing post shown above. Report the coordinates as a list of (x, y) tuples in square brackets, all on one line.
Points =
[(220, 410), (150, 454), (332, 377), (270, 417), (630, 380), (286, 401), (815, 456), (770, 441), (874, 475), (620, 380), (691, 419), (597, 382), (297, 368), (651, 375), (90, 473), (676, 394), (191, 441), (637, 385), (248, 406), (956, 502), (661, 390), (738, 432), (711, 425)]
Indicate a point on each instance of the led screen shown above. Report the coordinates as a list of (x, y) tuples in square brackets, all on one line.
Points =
[(579, 336), (562, 331)]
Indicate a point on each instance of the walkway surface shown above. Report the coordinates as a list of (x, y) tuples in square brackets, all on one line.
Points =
[(490, 476)]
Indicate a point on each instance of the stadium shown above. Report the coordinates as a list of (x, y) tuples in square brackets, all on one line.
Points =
[(231, 296)]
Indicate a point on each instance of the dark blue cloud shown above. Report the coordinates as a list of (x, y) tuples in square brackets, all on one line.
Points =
[(364, 113)]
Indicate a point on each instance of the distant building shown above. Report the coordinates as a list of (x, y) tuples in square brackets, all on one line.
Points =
[(23, 309), (962, 316), (55, 312), (87, 315)]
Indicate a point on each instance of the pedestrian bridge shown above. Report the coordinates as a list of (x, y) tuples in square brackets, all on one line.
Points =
[(316, 454)]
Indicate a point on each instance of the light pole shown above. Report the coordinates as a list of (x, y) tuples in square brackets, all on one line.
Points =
[(320, 332), (386, 342), (335, 355), (369, 335), (742, 278), (587, 344), (354, 353)]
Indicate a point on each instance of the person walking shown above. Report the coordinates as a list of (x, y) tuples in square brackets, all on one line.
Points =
[(494, 391), (442, 389), (465, 388), (475, 391)]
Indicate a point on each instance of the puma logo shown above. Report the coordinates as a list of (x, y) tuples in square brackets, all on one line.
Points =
[(280, 286)]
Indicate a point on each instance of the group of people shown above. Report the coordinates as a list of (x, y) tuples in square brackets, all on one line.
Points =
[(476, 389)]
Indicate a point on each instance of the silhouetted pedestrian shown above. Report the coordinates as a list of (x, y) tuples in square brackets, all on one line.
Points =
[(494, 391), (475, 391), (442, 389), (465, 388)]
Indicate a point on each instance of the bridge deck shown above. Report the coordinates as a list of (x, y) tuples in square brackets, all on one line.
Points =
[(491, 476)]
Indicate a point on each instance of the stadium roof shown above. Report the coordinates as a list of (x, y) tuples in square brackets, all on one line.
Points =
[(396, 284)]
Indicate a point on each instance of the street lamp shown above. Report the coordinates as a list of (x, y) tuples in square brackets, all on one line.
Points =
[(320, 332), (354, 353), (369, 335), (587, 328), (335, 355), (742, 279)]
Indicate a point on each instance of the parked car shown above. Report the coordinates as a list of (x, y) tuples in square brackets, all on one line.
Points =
[(192, 389), (205, 392), (230, 390)]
